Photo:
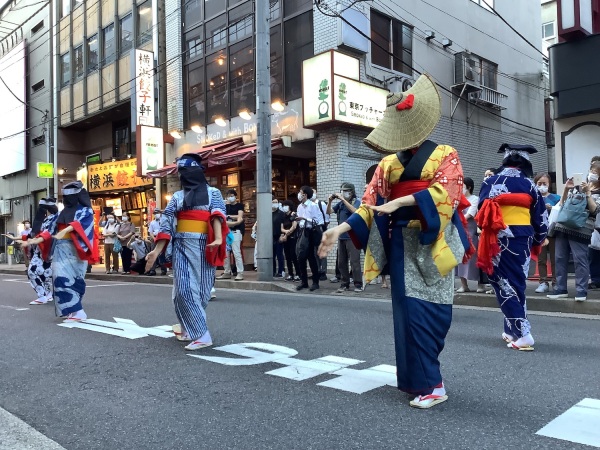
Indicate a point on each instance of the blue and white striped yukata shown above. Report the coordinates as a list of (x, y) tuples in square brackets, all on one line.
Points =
[(193, 276)]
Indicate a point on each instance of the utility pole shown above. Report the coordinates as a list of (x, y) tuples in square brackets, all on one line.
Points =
[(264, 192), (161, 30)]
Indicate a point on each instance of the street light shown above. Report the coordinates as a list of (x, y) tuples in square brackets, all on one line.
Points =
[(220, 121), (197, 128), (278, 106), (176, 134)]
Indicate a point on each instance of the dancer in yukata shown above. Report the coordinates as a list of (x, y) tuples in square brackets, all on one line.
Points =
[(514, 222), (417, 232), (198, 246), (39, 270), (71, 247)]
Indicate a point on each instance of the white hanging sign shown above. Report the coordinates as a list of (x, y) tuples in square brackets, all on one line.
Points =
[(144, 87)]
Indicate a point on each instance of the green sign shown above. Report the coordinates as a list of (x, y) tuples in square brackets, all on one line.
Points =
[(92, 159), (45, 170)]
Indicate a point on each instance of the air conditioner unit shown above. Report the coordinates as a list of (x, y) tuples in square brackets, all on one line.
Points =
[(400, 84), (466, 69)]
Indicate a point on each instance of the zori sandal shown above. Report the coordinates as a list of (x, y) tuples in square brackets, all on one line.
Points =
[(427, 401)]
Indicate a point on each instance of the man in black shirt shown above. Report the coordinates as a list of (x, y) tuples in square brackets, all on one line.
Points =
[(235, 222), (278, 218)]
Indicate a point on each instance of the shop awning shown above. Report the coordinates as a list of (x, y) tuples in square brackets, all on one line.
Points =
[(240, 154), (205, 152)]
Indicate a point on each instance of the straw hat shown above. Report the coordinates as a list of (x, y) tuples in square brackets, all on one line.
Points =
[(409, 118)]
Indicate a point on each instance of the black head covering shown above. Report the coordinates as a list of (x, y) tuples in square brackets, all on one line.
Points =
[(193, 181), (47, 205), (74, 195), (517, 156)]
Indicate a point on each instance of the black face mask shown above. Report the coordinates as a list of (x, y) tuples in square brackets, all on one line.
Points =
[(194, 186), (70, 201)]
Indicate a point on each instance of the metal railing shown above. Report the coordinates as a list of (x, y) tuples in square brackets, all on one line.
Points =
[(489, 97)]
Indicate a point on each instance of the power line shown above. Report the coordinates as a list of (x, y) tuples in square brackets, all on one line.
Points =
[(441, 86), (23, 102)]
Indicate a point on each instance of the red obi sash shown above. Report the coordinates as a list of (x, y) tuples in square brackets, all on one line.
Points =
[(193, 214), (490, 220), (409, 187)]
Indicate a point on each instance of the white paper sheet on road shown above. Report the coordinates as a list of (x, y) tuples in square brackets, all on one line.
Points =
[(579, 424)]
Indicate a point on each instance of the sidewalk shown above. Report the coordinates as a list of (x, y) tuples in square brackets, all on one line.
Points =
[(535, 302)]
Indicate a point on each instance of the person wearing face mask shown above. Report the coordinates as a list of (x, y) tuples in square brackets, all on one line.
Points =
[(288, 230), (126, 232), (347, 252), (141, 248), (542, 182), (153, 229), (489, 173), (577, 240), (278, 216), (71, 248), (310, 224), (322, 262), (470, 271), (235, 222), (110, 232), (24, 235), (39, 270), (194, 222)]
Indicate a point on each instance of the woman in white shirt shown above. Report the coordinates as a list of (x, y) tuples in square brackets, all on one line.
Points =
[(470, 271), (110, 231)]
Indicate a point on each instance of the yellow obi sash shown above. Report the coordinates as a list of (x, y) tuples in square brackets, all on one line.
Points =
[(66, 236), (515, 215), (192, 226)]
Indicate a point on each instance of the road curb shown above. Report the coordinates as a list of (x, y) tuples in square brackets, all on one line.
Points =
[(534, 303)]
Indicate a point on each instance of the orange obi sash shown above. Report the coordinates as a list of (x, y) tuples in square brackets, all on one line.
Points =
[(62, 226), (193, 221), (491, 220)]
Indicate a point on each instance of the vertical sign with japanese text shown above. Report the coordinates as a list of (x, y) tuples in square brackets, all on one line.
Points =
[(144, 87)]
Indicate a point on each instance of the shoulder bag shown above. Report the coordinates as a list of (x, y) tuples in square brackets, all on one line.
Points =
[(574, 213)]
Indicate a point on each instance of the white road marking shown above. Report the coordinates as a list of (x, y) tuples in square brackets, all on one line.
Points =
[(14, 307), (578, 424), (348, 380), (124, 328), (106, 285), (16, 434)]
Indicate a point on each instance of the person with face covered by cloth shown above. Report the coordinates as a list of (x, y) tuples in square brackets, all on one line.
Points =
[(72, 246), (198, 247), (418, 231), (39, 270), (514, 222)]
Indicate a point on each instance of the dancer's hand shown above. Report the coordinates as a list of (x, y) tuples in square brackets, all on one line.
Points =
[(546, 242), (23, 244), (150, 260), (328, 240), (387, 208), (214, 243)]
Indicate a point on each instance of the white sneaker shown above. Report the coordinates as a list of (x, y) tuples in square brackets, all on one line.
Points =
[(554, 296), (213, 293), (543, 287), (239, 277), (580, 299), (334, 280)]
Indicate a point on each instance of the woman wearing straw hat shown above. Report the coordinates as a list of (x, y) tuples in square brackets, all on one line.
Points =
[(422, 182)]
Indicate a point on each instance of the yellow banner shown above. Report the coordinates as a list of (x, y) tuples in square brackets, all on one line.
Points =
[(112, 176)]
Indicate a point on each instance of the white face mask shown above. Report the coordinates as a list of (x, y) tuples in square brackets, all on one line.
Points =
[(27, 226), (156, 216), (111, 220), (542, 189), (592, 177), (274, 206), (300, 196), (285, 208), (124, 218), (314, 197), (347, 195), (231, 199)]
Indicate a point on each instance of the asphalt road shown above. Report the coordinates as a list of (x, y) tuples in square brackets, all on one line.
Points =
[(91, 390)]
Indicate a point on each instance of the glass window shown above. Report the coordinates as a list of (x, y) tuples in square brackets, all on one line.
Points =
[(235, 2), (108, 39), (391, 36), (241, 76), (66, 7), (402, 47), (121, 140), (192, 14), (126, 32), (276, 64), (65, 69), (214, 7), (144, 22), (195, 88), (274, 9), (216, 33), (92, 53), (487, 4), (294, 6), (240, 22), (548, 30), (216, 90), (193, 44), (78, 61), (298, 35)]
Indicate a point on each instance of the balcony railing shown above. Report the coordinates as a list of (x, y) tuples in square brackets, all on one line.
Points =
[(489, 98)]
